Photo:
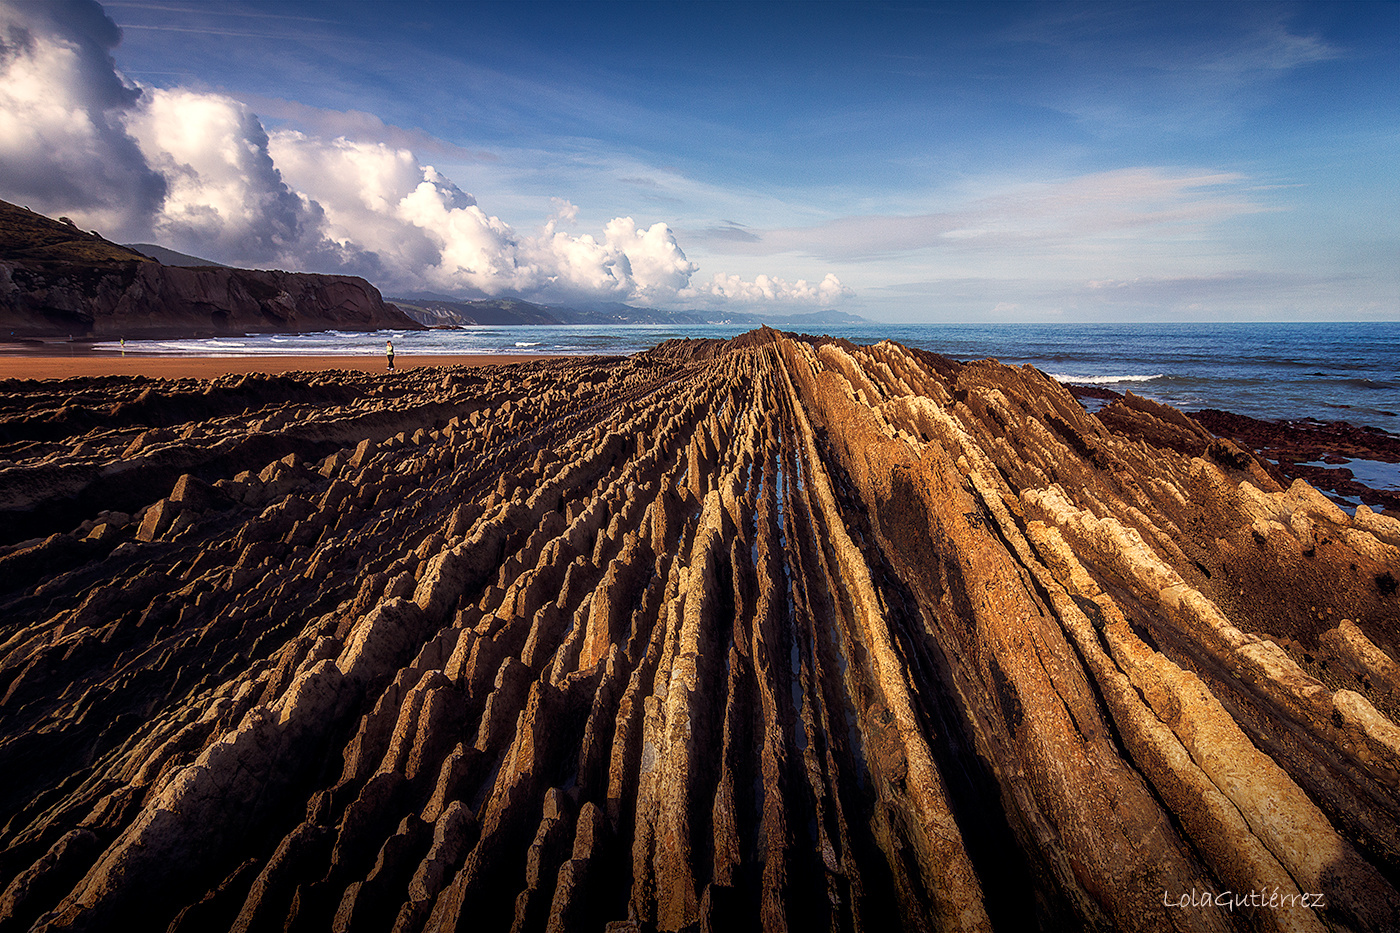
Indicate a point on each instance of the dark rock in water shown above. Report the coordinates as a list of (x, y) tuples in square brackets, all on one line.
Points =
[(1296, 446), (779, 633)]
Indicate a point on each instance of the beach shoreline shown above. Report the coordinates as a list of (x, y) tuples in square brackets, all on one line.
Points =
[(46, 364), (1285, 447)]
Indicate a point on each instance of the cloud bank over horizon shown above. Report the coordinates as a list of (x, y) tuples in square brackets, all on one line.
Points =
[(197, 171), (934, 162)]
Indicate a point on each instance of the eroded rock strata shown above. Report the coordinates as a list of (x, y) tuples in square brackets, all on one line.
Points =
[(777, 634)]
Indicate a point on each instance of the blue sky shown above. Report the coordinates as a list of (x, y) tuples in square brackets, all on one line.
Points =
[(1036, 162)]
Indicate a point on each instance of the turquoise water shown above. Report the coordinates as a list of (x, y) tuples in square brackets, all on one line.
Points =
[(1346, 372)]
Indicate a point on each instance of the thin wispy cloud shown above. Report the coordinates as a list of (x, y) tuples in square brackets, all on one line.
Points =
[(357, 124), (1118, 75), (206, 10), (1240, 39), (1146, 201), (208, 31), (737, 233), (1247, 293)]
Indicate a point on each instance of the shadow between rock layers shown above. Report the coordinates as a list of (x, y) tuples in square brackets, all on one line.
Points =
[(772, 634)]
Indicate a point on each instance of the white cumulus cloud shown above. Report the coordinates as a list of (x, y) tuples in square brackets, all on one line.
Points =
[(429, 233), (197, 171), (225, 197), (63, 145), (828, 291)]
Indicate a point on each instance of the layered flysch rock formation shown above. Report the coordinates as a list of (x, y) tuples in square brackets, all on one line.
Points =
[(779, 634), (58, 281)]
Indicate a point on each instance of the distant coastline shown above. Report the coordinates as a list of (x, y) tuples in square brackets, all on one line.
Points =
[(435, 311), (1269, 371)]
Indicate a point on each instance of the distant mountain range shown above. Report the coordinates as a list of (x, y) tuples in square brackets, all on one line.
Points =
[(438, 311)]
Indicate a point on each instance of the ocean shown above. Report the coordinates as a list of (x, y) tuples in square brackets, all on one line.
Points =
[(1330, 372)]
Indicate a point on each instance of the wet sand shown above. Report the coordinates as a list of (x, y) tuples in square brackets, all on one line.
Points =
[(50, 365)]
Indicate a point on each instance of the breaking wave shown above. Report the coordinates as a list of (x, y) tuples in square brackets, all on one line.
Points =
[(1104, 380)]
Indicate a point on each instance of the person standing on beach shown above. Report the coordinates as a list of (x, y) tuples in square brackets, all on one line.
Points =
[(389, 352)]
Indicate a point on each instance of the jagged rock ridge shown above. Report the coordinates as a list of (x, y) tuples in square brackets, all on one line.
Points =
[(774, 634)]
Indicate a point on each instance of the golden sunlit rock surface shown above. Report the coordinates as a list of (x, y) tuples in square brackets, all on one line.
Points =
[(779, 633)]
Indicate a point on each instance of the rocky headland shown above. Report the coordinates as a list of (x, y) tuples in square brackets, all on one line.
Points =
[(776, 633), (57, 281)]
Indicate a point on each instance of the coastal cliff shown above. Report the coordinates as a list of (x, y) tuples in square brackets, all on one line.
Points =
[(59, 282), (775, 633)]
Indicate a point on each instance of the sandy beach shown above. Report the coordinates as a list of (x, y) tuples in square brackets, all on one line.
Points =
[(50, 365)]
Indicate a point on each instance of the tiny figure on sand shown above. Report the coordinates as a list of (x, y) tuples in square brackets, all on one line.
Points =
[(389, 352)]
